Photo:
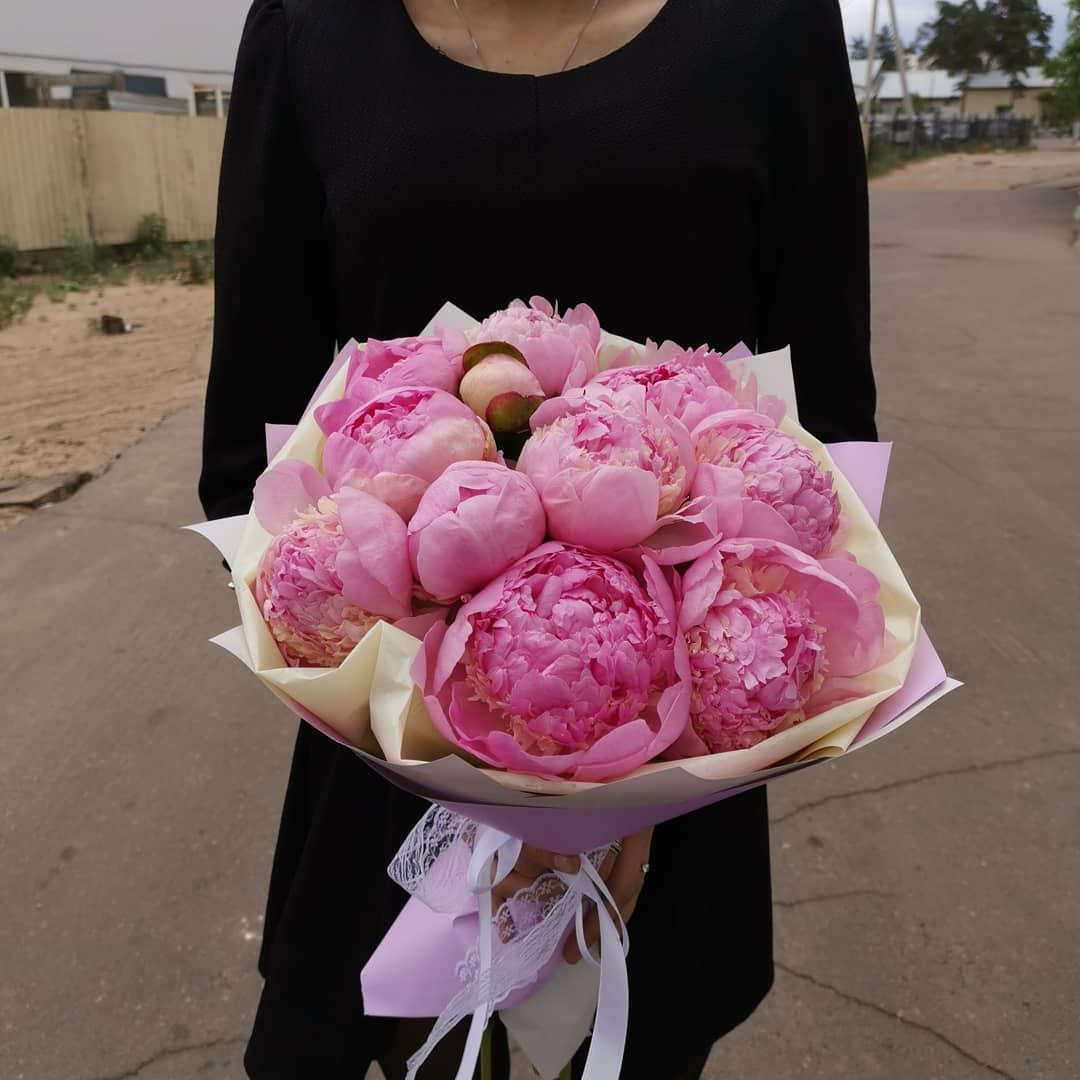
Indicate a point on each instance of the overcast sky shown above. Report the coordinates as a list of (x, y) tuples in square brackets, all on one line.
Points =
[(202, 34)]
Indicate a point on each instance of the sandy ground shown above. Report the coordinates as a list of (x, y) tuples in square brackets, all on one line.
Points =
[(984, 172), (74, 399)]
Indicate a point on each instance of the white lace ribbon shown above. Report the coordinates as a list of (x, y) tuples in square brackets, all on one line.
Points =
[(449, 860)]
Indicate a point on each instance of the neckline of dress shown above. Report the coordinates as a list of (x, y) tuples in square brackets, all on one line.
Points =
[(640, 38)]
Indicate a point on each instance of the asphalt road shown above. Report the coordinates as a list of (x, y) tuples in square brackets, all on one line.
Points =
[(927, 907)]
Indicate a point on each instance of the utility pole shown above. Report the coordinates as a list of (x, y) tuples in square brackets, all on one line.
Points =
[(901, 62), (868, 84)]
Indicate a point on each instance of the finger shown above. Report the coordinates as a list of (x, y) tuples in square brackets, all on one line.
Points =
[(529, 864), (608, 865), (571, 950), (549, 860), (510, 885), (625, 889)]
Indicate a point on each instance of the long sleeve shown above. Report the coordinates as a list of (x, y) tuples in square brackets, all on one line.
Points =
[(814, 278), (274, 317)]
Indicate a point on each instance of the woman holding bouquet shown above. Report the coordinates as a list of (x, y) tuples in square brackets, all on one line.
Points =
[(689, 167)]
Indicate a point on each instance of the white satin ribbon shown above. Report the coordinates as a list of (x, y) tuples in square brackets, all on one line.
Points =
[(494, 856), (604, 1061)]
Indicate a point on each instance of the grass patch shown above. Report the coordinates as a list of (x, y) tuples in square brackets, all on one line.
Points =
[(79, 260), (151, 238), (9, 254), (885, 157), (153, 271), (117, 274), (16, 297), (196, 264), (83, 266)]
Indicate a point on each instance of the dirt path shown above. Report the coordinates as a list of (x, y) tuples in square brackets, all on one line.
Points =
[(983, 172), (74, 399)]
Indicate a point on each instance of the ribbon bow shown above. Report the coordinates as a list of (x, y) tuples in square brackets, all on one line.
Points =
[(494, 856)]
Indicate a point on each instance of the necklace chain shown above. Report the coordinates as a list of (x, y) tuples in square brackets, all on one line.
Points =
[(480, 56)]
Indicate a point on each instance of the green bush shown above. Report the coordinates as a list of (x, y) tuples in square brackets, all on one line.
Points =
[(116, 274), (80, 257), (197, 264), (151, 238), (151, 271), (15, 301), (8, 254)]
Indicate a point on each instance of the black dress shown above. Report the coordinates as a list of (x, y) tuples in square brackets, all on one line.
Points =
[(704, 183)]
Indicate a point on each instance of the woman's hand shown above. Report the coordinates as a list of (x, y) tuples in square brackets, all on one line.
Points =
[(532, 863), (624, 873)]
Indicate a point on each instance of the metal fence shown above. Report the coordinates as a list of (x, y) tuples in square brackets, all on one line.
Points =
[(930, 130), (67, 172)]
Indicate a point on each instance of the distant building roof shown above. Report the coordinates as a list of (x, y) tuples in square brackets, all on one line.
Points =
[(1034, 78), (858, 74), (929, 85), (123, 101)]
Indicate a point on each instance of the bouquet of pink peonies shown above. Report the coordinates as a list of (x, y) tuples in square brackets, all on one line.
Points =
[(564, 586)]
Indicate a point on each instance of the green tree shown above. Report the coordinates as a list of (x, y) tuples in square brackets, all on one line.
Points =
[(923, 36), (1063, 106), (1019, 36), (886, 48), (858, 49), (959, 38)]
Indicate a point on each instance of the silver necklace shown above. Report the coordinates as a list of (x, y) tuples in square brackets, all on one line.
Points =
[(480, 56)]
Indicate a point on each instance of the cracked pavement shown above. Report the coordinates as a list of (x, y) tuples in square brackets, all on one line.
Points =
[(927, 888)]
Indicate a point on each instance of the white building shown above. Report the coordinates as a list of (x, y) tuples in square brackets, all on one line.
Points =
[(993, 93), (134, 87), (937, 91), (858, 77)]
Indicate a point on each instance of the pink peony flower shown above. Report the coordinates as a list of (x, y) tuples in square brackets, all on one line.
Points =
[(335, 570), (607, 467), (779, 472), (560, 350), (768, 630), (688, 394), (703, 381), (396, 443), (409, 361), (474, 522), (568, 664), (502, 390)]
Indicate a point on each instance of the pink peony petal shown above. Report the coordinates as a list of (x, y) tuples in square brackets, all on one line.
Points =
[(284, 490), (472, 523), (333, 415), (341, 457), (375, 573), (629, 497), (762, 521)]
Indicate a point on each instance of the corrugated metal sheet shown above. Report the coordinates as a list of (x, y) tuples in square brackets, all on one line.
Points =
[(126, 101), (97, 173), (43, 190)]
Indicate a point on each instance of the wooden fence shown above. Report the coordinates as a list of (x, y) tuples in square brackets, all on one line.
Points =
[(95, 174)]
